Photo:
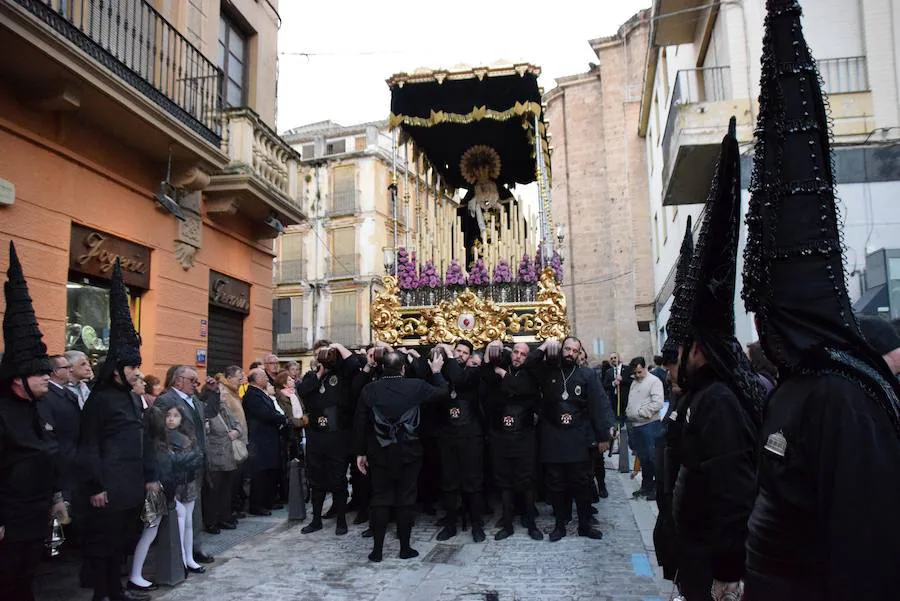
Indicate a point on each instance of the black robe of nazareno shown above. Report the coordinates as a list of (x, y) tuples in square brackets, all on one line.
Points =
[(716, 483), (826, 524)]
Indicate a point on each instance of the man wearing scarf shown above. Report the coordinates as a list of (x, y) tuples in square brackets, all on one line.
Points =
[(28, 468), (721, 409), (116, 453), (825, 523)]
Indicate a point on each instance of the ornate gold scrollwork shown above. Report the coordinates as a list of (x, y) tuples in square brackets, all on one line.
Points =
[(551, 309), (467, 316), (386, 320), (470, 317)]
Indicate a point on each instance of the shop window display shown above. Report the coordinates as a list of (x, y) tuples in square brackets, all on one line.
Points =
[(87, 317)]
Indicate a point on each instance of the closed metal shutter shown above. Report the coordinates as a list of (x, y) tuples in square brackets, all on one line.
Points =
[(226, 340)]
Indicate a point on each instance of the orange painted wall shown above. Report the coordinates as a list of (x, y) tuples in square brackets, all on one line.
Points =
[(65, 172)]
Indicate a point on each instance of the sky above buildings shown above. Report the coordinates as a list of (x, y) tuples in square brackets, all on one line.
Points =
[(335, 55)]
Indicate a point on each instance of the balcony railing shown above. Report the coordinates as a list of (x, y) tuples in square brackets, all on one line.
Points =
[(297, 340), (251, 144), (710, 84), (844, 75), (291, 271), (350, 335), (343, 266), (137, 44), (343, 203)]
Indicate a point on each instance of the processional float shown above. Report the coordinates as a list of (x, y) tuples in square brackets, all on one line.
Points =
[(478, 267)]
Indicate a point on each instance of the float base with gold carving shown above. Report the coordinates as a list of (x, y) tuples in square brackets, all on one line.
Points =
[(469, 316)]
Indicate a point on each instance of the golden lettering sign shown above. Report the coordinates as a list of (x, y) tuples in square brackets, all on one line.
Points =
[(94, 253), (228, 293)]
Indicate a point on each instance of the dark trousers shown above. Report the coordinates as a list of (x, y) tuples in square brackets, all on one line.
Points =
[(394, 485), (644, 438), (599, 468), (430, 474), (217, 497), (515, 473), (327, 473), (570, 479), (362, 487), (378, 520), (238, 494), (695, 571), (462, 477), (107, 533), (262, 490), (18, 563)]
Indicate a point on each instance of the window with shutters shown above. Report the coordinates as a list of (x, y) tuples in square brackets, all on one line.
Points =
[(343, 193), (359, 143), (291, 263), (344, 324), (291, 335), (231, 59), (308, 151), (343, 259)]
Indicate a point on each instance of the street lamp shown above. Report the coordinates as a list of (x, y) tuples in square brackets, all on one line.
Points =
[(389, 257)]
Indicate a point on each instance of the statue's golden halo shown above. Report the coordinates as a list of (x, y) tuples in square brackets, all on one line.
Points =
[(480, 163)]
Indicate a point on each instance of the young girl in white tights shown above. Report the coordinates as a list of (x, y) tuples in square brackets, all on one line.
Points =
[(183, 444), (172, 468)]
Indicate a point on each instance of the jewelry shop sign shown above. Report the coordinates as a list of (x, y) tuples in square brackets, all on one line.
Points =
[(228, 293), (94, 253)]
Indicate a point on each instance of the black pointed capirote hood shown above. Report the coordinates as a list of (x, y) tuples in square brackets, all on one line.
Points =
[(710, 281), (676, 326), (794, 277), (124, 342), (24, 351)]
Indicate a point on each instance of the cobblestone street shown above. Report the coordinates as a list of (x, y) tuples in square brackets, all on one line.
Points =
[(285, 564)]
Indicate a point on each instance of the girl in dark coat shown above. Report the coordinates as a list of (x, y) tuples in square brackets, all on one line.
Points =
[(188, 458)]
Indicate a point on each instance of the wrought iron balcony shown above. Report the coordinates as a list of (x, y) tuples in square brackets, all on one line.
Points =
[(140, 47), (844, 75), (295, 341), (350, 334), (262, 178), (291, 271)]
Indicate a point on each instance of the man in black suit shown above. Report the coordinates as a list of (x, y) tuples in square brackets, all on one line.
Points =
[(183, 394), (387, 439), (61, 409), (264, 424)]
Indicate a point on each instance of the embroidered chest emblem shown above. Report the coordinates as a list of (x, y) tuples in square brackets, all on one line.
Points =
[(777, 443), (333, 380), (687, 416), (673, 416), (48, 427), (454, 412), (565, 419), (578, 390), (322, 421), (509, 421), (453, 394)]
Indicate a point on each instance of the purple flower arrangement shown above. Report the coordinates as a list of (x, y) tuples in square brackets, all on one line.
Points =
[(556, 265), (406, 270), (478, 274), (429, 277), (527, 273), (502, 272), (455, 275)]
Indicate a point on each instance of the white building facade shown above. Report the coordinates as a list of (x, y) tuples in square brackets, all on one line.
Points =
[(703, 66)]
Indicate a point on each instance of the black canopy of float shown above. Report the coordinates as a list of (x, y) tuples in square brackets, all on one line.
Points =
[(443, 144)]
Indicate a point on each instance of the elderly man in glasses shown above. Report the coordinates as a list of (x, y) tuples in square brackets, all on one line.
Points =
[(60, 407)]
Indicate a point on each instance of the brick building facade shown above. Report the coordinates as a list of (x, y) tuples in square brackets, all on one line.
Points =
[(600, 195)]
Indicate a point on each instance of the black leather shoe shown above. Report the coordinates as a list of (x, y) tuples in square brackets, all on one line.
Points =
[(212, 530), (361, 518), (535, 534), (367, 533), (131, 595), (203, 557), (200, 570), (141, 589), (330, 513), (260, 512), (228, 525), (503, 534), (277, 506), (604, 493), (313, 526), (477, 534), (341, 528), (238, 515), (446, 533), (590, 533), (558, 533)]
